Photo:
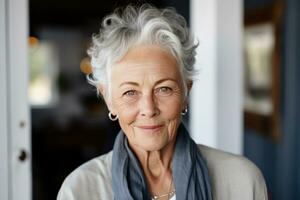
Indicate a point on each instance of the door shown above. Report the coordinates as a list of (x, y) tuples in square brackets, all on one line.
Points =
[(15, 170)]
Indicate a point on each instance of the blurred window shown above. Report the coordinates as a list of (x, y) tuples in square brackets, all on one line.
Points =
[(43, 63)]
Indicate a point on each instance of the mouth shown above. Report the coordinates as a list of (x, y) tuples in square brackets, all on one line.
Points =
[(150, 128)]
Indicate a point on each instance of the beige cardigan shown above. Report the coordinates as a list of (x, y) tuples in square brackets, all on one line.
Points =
[(232, 177)]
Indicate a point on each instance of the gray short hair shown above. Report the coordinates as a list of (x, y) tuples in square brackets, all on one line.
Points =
[(127, 27)]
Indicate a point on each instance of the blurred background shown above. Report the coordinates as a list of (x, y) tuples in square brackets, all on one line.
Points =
[(69, 123)]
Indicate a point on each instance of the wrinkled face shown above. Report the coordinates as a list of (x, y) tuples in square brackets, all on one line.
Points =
[(147, 95)]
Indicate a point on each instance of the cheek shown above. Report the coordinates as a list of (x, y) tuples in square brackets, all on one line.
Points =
[(171, 108), (126, 112)]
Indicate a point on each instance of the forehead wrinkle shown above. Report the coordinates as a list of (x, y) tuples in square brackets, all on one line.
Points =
[(133, 76), (148, 64)]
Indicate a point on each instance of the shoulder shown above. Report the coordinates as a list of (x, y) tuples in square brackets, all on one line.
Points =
[(233, 176), (91, 180), (217, 159)]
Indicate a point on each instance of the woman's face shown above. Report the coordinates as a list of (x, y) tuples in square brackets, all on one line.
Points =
[(147, 95)]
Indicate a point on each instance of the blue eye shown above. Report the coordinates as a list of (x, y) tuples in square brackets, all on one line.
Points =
[(130, 93)]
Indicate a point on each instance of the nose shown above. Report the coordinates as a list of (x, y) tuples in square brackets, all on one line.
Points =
[(148, 107)]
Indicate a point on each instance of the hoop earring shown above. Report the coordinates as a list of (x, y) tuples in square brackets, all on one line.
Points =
[(184, 112), (112, 117)]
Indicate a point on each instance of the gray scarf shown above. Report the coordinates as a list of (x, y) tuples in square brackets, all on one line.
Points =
[(189, 171)]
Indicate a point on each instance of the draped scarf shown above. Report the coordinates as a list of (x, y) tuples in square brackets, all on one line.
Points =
[(189, 171)]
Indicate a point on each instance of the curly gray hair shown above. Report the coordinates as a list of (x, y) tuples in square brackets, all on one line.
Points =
[(131, 26)]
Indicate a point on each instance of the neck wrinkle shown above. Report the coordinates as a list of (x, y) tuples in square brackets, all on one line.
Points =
[(155, 160)]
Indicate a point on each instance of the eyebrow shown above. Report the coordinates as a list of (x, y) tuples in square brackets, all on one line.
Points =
[(157, 82)]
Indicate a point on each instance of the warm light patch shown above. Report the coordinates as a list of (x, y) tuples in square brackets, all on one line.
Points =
[(85, 66)]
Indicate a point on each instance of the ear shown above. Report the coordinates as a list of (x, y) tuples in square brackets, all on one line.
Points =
[(189, 85), (103, 91)]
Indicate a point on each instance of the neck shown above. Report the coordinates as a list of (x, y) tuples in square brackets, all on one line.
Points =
[(155, 162), (157, 167)]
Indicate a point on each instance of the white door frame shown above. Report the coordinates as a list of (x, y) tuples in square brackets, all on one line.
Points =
[(15, 175), (3, 107), (217, 95)]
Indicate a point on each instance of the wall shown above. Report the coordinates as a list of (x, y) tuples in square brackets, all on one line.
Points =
[(280, 162)]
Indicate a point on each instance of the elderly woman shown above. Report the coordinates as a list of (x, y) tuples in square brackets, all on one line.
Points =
[(142, 63)]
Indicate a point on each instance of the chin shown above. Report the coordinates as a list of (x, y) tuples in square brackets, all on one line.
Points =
[(152, 146)]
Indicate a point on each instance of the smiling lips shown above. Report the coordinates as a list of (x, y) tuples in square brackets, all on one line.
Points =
[(150, 128)]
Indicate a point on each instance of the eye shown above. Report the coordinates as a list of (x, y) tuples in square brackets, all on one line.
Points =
[(164, 91), (130, 93)]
